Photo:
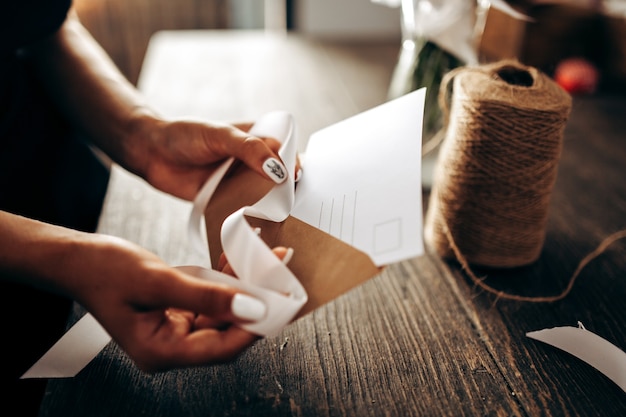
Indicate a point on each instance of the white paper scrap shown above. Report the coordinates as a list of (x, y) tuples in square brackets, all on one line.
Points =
[(72, 352), (589, 347)]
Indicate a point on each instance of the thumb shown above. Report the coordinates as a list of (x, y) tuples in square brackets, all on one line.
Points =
[(257, 154)]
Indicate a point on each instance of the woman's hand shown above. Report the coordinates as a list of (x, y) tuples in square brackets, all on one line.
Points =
[(182, 154), (162, 317), (150, 309), (174, 156)]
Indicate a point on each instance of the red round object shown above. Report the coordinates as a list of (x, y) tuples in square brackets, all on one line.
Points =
[(577, 76)]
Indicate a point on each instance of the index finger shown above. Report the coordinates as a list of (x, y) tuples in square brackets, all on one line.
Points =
[(259, 153)]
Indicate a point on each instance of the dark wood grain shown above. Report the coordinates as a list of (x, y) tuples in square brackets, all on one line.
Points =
[(588, 204), (417, 340)]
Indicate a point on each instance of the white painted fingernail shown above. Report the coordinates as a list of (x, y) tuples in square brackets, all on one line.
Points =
[(288, 256), (275, 170), (298, 175), (248, 308), (257, 231)]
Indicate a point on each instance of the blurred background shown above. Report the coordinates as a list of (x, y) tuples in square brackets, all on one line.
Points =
[(124, 27), (432, 35)]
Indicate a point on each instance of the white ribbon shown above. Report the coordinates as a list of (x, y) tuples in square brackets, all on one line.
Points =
[(261, 273)]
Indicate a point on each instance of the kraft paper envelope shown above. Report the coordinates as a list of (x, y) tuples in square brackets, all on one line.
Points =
[(327, 266), (324, 265)]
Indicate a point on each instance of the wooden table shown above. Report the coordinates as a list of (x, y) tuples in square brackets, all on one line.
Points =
[(418, 339)]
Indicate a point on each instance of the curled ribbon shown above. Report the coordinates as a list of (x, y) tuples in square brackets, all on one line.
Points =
[(260, 273)]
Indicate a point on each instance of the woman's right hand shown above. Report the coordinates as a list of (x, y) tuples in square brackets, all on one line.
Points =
[(161, 317)]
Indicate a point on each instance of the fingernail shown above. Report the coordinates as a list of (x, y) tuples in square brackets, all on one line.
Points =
[(247, 308), (275, 170), (288, 256), (257, 231), (298, 175)]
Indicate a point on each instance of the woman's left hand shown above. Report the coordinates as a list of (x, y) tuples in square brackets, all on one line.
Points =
[(182, 154)]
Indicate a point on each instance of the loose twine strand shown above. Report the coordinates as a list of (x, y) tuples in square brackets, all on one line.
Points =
[(602, 247), (500, 161)]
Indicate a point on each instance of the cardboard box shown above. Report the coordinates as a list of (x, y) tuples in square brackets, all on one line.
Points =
[(615, 69), (502, 35), (554, 33)]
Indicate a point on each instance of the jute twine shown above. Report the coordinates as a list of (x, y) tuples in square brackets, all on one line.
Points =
[(496, 169)]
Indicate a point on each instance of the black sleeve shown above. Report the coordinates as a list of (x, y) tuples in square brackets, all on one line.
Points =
[(25, 21)]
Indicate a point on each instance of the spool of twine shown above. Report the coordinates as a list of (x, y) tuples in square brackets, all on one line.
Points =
[(497, 164)]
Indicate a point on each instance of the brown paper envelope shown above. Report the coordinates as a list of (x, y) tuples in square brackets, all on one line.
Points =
[(326, 266)]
